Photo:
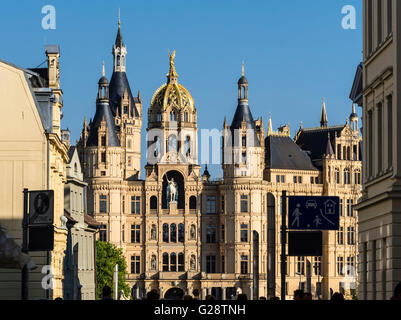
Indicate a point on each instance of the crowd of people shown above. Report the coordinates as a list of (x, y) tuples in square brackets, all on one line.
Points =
[(299, 295)]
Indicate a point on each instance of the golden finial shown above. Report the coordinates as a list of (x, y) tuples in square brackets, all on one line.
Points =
[(243, 69), (172, 72), (103, 73)]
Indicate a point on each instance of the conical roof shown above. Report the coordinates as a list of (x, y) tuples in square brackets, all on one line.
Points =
[(103, 112)]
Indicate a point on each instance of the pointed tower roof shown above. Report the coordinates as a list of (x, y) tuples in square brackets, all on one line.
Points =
[(353, 114), (243, 112), (119, 81), (269, 125), (119, 38), (329, 147), (323, 117), (103, 113)]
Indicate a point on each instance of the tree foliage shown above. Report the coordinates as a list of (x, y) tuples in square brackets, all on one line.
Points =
[(107, 256)]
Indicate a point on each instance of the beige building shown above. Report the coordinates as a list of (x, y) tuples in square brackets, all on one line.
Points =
[(182, 231), (32, 156), (80, 260), (379, 208)]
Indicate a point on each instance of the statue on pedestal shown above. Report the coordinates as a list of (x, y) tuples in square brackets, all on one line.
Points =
[(171, 190)]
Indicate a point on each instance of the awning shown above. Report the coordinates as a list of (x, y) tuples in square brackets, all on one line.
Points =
[(11, 256)]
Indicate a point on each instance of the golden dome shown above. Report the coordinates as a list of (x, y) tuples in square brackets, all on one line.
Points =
[(172, 94)]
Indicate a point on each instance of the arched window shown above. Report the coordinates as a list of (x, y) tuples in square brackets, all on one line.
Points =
[(153, 202), (165, 232), (165, 261), (192, 202), (153, 232), (159, 117), (344, 153), (337, 175), (173, 232), (156, 146), (118, 60), (192, 233), (180, 261), (173, 116), (181, 233), (186, 117), (75, 167), (348, 153), (339, 151), (347, 176), (187, 146), (172, 142), (173, 262)]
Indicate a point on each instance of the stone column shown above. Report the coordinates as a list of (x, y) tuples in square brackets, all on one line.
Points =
[(223, 293), (204, 293)]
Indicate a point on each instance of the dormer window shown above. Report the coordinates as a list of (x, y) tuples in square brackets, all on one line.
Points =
[(159, 117), (172, 116)]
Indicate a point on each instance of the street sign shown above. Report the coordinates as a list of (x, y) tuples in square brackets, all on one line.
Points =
[(41, 207), (305, 243), (41, 238), (313, 213)]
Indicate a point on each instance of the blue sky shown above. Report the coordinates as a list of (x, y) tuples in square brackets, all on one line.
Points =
[(295, 53)]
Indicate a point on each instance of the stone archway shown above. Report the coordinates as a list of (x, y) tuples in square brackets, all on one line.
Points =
[(174, 293), (179, 180)]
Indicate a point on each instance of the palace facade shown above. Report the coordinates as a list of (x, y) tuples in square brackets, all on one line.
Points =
[(204, 238)]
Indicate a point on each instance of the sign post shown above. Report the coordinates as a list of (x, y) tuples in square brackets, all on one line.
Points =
[(24, 249), (313, 213), (283, 242)]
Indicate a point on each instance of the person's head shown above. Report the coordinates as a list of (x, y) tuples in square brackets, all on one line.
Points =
[(298, 294), (152, 295), (274, 298), (262, 298), (58, 299), (242, 297), (106, 292), (210, 297), (337, 297), (397, 292), (307, 296), (187, 297)]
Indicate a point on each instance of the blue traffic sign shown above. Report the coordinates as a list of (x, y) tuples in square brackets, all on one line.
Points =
[(313, 213)]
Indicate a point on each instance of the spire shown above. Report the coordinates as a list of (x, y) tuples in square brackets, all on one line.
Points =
[(323, 117), (243, 85), (119, 39), (329, 147), (269, 125), (103, 72), (172, 74), (225, 122)]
